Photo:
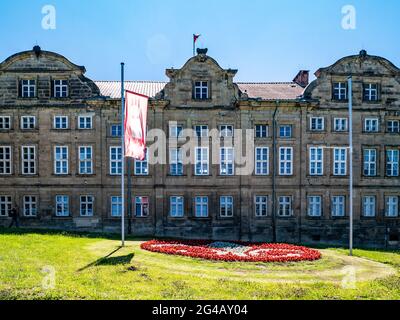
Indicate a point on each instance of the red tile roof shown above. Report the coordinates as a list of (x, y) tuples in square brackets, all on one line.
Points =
[(265, 90)]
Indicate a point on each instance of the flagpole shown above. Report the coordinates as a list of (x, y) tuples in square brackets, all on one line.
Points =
[(123, 157), (350, 85), (194, 46)]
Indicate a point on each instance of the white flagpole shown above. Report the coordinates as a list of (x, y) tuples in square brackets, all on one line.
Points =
[(123, 156), (350, 85)]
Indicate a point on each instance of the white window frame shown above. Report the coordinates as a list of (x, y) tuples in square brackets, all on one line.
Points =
[(176, 206), (175, 131), (261, 206), (392, 162), (201, 161), (262, 130), (314, 206), (261, 155), (86, 206), (317, 124), (143, 206), (6, 160), (85, 162), (61, 122), (285, 206), (369, 206), (338, 206), (393, 126), (392, 206), (201, 131), (28, 86), (115, 160), (201, 90), (61, 158), (226, 206), (227, 161), (341, 124), (60, 88), (369, 166), (368, 92), (226, 130), (116, 206), (339, 91), (30, 205), (118, 132), (3, 123), (142, 167), (176, 161), (27, 123), (5, 205), (30, 160), (316, 160), (85, 122), (62, 203), (286, 161), (285, 131), (339, 165), (371, 125), (201, 207)]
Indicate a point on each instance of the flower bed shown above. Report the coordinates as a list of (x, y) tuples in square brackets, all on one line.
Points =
[(233, 251)]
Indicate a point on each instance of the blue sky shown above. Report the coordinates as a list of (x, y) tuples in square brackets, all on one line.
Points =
[(265, 40)]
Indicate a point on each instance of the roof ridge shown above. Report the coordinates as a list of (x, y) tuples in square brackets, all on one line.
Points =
[(141, 81), (268, 82)]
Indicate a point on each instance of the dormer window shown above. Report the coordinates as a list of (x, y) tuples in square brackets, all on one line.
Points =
[(371, 92), (201, 90), (60, 88), (340, 91), (28, 88)]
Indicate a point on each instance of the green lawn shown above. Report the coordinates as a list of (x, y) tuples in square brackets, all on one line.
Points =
[(94, 267)]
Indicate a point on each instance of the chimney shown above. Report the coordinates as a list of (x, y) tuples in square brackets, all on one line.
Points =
[(302, 78)]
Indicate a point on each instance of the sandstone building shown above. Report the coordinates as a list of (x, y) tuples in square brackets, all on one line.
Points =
[(60, 154)]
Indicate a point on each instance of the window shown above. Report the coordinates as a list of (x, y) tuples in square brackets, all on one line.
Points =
[(5, 206), (87, 206), (116, 206), (370, 162), (5, 123), (201, 131), (285, 161), (261, 131), (141, 207), (30, 206), (60, 160), (340, 124), (371, 92), (5, 160), (85, 160), (201, 207), (142, 167), (338, 206), (261, 206), (201, 166), (176, 162), (392, 206), (371, 125), (28, 122), (317, 124), (175, 131), (176, 207), (285, 131), (262, 158), (85, 122), (28, 88), (392, 163), (369, 206), (28, 160), (316, 161), (115, 161), (314, 206), (116, 130), (61, 122), (60, 88), (285, 206), (201, 90), (226, 206), (392, 126), (226, 162), (225, 131), (340, 91), (62, 206), (339, 161)]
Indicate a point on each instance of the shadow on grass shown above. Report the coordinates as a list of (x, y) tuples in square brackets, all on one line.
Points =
[(110, 261)]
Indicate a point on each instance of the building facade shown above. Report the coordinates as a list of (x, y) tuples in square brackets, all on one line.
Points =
[(60, 154)]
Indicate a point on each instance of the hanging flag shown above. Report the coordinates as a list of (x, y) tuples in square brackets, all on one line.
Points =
[(195, 38), (135, 125)]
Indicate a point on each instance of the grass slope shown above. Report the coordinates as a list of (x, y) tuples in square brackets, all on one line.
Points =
[(92, 267)]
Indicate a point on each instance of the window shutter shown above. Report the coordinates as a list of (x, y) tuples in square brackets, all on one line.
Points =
[(19, 88)]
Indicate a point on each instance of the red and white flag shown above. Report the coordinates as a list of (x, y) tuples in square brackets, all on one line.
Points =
[(135, 125)]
